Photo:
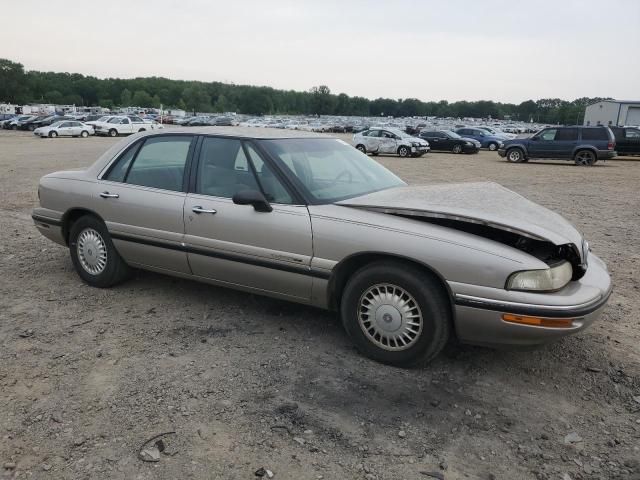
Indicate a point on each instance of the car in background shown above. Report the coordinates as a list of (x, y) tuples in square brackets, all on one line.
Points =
[(498, 133), (448, 141), (6, 119), (25, 124), (306, 218), (12, 123), (627, 140), (124, 125), (46, 121), (390, 141), (65, 128), (584, 145), (486, 139)]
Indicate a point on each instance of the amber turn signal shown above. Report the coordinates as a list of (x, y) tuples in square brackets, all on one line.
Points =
[(538, 321)]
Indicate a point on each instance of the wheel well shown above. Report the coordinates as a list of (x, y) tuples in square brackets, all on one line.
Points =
[(587, 148), (70, 217), (347, 267)]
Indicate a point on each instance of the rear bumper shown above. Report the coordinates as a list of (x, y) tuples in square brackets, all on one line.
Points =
[(479, 319), (606, 154)]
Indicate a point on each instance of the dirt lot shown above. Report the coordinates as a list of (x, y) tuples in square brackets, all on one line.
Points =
[(87, 376)]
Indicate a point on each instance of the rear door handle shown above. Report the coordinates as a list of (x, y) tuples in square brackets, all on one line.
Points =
[(109, 195), (198, 209)]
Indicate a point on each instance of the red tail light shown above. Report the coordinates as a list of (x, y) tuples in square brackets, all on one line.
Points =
[(610, 145)]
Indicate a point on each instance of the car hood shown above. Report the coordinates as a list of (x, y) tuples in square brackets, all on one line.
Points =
[(484, 203)]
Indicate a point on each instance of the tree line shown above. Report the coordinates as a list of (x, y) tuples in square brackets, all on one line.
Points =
[(23, 87)]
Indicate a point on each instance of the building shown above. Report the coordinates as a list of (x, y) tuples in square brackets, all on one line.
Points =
[(613, 112)]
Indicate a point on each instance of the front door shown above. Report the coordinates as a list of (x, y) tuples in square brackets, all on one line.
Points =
[(372, 140), (542, 145), (388, 143), (235, 244), (141, 199)]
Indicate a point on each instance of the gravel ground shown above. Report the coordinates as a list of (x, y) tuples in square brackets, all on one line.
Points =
[(249, 383)]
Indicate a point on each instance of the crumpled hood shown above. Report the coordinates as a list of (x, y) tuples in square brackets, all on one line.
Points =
[(486, 203)]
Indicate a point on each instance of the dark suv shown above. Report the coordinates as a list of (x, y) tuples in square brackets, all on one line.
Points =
[(627, 140), (584, 145)]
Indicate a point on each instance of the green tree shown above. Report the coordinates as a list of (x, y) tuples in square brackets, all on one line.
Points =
[(142, 99), (11, 80), (125, 98), (196, 99)]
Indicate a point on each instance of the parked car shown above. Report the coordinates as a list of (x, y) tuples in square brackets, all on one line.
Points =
[(7, 119), (448, 141), (627, 140), (12, 123), (498, 133), (123, 125), (45, 122), (390, 141), (27, 124), (486, 139), (65, 128), (407, 267), (584, 145)]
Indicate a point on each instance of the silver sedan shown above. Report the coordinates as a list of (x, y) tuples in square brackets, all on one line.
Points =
[(310, 219)]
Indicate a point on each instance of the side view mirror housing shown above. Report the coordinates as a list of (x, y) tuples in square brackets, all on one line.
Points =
[(252, 197)]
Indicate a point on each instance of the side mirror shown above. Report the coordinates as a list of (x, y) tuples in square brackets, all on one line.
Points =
[(535, 139), (252, 197)]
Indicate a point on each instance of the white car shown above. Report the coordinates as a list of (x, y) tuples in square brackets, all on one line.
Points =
[(124, 125), (65, 128), (390, 140)]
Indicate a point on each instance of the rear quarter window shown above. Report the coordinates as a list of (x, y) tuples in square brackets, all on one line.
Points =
[(595, 134)]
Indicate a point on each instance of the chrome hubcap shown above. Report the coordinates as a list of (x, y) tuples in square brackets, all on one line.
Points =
[(514, 156), (390, 317), (92, 251), (585, 158)]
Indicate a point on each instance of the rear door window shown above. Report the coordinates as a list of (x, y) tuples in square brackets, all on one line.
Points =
[(566, 134), (548, 135)]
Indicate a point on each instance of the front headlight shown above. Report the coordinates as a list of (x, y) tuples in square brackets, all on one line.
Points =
[(541, 280), (468, 144)]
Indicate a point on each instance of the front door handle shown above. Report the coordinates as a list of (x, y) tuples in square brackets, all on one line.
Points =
[(109, 195), (198, 209)]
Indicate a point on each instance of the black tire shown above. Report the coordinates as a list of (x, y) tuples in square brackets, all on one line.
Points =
[(404, 151), (515, 155), (428, 293), (31, 128), (53, 134), (14, 127), (113, 132), (457, 149), (362, 148), (493, 146), (375, 154), (142, 130), (115, 270), (84, 134), (585, 158)]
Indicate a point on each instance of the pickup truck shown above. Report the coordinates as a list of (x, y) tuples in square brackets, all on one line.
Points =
[(123, 125)]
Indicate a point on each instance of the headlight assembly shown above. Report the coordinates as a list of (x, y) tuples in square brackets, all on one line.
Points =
[(547, 280)]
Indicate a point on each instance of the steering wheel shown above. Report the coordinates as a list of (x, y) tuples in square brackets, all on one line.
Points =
[(342, 174)]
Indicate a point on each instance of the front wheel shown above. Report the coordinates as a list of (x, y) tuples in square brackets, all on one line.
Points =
[(84, 134), (113, 132), (585, 158), (457, 149), (362, 148), (404, 151), (141, 130), (53, 134), (396, 313), (93, 255), (515, 155)]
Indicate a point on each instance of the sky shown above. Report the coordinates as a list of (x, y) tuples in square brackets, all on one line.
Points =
[(501, 50)]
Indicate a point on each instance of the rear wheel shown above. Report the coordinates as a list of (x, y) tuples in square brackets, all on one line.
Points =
[(585, 158), (362, 148), (515, 155), (93, 255), (493, 146), (396, 313), (142, 130), (404, 151), (457, 149)]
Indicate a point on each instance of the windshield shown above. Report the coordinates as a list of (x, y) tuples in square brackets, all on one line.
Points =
[(56, 124), (328, 170), (451, 134)]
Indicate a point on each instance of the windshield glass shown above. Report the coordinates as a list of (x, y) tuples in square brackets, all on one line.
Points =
[(452, 134), (328, 170), (56, 124)]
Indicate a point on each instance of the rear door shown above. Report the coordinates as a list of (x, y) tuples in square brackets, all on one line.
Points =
[(235, 244), (141, 198), (565, 142)]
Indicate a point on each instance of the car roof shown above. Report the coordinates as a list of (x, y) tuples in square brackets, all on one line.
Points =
[(244, 132)]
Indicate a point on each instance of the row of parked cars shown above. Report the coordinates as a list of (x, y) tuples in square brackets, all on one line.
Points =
[(65, 125)]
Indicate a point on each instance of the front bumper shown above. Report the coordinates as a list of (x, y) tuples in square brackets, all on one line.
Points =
[(502, 152), (478, 317)]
